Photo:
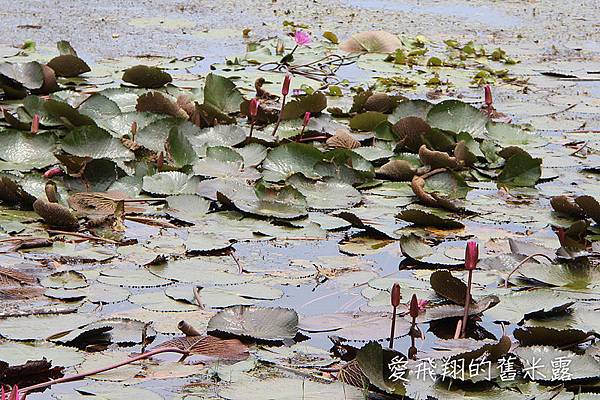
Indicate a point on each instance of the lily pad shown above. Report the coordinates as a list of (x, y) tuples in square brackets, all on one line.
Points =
[(272, 324)]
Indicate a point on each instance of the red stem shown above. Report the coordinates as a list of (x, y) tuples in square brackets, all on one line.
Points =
[(467, 304), (77, 377), (280, 115)]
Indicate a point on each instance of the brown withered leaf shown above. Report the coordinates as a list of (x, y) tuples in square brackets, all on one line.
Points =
[(209, 346), (410, 131), (397, 170), (75, 165), (13, 195), (68, 66), (21, 293), (157, 103), (30, 373), (342, 140), (55, 214), (590, 206), (564, 205), (380, 102), (9, 277), (437, 159), (449, 287), (352, 374), (431, 199), (97, 204)]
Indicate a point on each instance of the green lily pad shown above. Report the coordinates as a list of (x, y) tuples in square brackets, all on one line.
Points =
[(456, 116), (222, 94), (521, 170), (325, 195), (273, 324), (289, 159), (170, 183), (94, 142)]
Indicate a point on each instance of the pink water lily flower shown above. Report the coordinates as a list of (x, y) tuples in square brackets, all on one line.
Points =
[(302, 38)]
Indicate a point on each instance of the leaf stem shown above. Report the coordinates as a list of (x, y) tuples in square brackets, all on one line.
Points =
[(279, 116), (78, 377), (523, 262)]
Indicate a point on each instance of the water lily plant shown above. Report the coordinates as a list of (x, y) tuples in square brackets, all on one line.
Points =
[(301, 38), (471, 259), (395, 300)]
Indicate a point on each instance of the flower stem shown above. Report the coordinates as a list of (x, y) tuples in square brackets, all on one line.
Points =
[(251, 127), (77, 377), (393, 330), (467, 304), (279, 117)]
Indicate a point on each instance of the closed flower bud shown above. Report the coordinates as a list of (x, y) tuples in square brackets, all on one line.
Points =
[(53, 172), (35, 124), (488, 95), (253, 108), (414, 306), (395, 295), (285, 89), (306, 118), (471, 255)]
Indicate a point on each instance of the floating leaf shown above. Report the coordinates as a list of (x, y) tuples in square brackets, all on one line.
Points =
[(372, 42), (521, 170), (313, 103), (288, 388), (68, 65), (209, 346), (354, 326), (146, 77), (94, 142), (367, 121), (222, 94), (169, 183), (256, 322), (288, 159), (456, 116), (449, 287)]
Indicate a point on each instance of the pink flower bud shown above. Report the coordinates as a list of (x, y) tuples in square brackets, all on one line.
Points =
[(134, 128), (3, 393), (285, 89), (471, 255), (253, 107), (302, 38), (414, 306), (53, 172), (35, 124), (488, 95), (306, 118), (395, 295)]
